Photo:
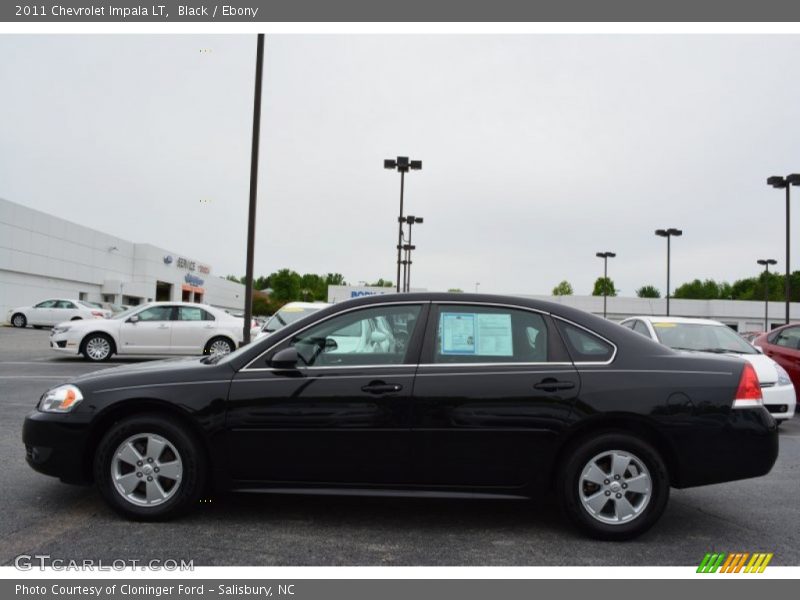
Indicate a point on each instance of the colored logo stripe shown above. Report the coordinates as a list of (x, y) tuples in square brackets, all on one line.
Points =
[(734, 562)]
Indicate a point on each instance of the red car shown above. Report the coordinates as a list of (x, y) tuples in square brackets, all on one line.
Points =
[(783, 346)]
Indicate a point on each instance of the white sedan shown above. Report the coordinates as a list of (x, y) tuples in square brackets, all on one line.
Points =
[(177, 328), (705, 335), (53, 311)]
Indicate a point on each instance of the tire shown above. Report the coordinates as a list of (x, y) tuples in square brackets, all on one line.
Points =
[(220, 343), (19, 320), (97, 347), (602, 510), (115, 473)]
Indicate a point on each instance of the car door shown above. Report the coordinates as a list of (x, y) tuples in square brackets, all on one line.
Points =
[(342, 415), (493, 390), (147, 332), (63, 310), (42, 313), (191, 329), (783, 346)]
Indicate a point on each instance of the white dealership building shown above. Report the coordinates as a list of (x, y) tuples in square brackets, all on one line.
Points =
[(43, 256)]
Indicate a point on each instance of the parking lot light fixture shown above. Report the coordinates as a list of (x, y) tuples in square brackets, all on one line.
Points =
[(785, 183), (766, 262), (605, 256), (403, 165), (410, 220), (668, 233)]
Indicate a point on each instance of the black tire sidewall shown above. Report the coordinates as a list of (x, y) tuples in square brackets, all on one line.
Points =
[(90, 337), (581, 454), (193, 463)]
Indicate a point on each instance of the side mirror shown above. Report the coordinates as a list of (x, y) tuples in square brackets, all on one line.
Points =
[(284, 359), (133, 319)]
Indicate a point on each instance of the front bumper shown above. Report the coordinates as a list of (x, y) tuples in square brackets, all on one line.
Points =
[(56, 445), (64, 342), (780, 401)]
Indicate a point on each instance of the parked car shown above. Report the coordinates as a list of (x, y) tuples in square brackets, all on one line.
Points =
[(491, 396), (289, 313), (705, 335), (255, 326), (53, 311), (782, 345), (156, 328), (750, 336)]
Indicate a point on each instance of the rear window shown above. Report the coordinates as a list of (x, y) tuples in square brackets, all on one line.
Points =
[(583, 345)]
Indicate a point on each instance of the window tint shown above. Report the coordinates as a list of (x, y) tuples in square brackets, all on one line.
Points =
[(46, 304), (476, 334), (156, 313), (193, 313), (789, 338), (65, 304), (584, 346), (640, 327), (373, 336)]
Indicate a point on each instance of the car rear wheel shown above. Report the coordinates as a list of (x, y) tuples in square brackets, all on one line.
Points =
[(19, 320), (149, 467), (613, 486), (97, 347), (219, 346)]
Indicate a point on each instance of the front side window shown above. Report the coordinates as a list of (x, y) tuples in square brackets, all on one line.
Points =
[(156, 313), (583, 345), (193, 313), (46, 304), (789, 338), (477, 334), (373, 336)]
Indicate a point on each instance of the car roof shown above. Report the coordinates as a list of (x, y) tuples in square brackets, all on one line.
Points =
[(689, 320)]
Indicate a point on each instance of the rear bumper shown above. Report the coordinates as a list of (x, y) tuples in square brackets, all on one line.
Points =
[(744, 446), (55, 445)]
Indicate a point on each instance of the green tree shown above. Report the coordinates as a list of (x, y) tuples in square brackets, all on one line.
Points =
[(382, 283), (604, 283), (563, 289), (648, 291), (286, 285), (261, 306), (698, 290), (456, 290), (235, 278)]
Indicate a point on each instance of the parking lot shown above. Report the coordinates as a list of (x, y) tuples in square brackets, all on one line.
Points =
[(43, 516)]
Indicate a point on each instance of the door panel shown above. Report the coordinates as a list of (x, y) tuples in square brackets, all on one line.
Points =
[(191, 330), (151, 334), (489, 417), (785, 350)]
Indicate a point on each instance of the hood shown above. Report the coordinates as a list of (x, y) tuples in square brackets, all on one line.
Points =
[(153, 372)]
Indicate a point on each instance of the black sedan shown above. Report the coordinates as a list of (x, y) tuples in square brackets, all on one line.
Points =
[(416, 394)]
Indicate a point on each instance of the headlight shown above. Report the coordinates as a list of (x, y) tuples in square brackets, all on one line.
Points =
[(61, 329), (783, 376), (61, 399)]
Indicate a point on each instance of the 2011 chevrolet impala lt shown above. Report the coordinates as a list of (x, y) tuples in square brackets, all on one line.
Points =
[(429, 394)]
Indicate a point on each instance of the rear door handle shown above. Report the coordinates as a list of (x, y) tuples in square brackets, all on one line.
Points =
[(379, 387), (552, 385)]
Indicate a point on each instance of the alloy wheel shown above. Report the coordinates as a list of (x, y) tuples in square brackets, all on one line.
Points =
[(615, 487), (146, 469), (98, 348), (219, 348)]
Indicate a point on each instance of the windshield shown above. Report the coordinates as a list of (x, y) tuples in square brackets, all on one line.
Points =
[(286, 315), (125, 313), (702, 338)]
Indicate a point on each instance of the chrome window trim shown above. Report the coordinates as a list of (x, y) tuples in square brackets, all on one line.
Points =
[(496, 364), (594, 333), (421, 303)]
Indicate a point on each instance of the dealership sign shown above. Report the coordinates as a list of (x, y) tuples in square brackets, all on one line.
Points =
[(193, 280), (188, 264)]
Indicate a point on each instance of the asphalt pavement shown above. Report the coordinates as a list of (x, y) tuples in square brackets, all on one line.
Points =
[(40, 515)]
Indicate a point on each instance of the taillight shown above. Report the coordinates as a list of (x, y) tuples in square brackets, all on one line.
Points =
[(98, 314), (749, 392)]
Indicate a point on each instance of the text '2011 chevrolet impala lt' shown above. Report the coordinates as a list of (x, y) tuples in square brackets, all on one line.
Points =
[(436, 394)]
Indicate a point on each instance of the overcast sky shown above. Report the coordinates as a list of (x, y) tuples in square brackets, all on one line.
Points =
[(537, 150)]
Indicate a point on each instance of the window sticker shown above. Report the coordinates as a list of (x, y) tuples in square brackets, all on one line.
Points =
[(458, 333), (476, 334)]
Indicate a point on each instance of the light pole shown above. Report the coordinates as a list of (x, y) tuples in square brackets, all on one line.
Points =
[(786, 183), (605, 256), (402, 164), (668, 233), (410, 220), (766, 262)]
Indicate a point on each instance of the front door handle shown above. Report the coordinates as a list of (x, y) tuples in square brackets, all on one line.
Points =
[(553, 385), (163, 326), (380, 387)]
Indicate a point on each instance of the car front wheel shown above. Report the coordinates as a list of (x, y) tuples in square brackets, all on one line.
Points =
[(613, 486), (19, 320), (149, 467), (97, 347)]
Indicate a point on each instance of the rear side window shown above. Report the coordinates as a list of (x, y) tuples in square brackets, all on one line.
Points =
[(583, 345), (477, 334), (640, 327), (788, 338), (193, 313)]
